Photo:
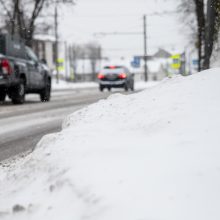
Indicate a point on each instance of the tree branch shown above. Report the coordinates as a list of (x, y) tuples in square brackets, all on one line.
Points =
[(2, 2)]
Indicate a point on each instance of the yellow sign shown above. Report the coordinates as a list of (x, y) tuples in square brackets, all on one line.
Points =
[(176, 64), (60, 64)]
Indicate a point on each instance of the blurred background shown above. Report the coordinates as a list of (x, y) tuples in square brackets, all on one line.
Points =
[(154, 39)]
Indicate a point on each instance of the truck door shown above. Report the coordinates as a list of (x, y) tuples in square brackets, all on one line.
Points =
[(34, 69)]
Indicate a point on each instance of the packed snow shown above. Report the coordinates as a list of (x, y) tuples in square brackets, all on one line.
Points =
[(153, 155)]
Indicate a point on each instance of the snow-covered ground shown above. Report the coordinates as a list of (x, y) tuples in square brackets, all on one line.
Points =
[(152, 155), (139, 85), (70, 85)]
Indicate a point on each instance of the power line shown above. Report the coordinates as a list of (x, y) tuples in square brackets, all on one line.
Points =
[(121, 49), (117, 33), (126, 15), (56, 44), (145, 48)]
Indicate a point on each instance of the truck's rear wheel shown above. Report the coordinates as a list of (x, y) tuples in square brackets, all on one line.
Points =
[(18, 93)]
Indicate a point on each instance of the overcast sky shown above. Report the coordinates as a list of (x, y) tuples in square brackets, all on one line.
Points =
[(87, 18)]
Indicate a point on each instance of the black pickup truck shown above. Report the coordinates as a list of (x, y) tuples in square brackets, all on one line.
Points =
[(21, 72)]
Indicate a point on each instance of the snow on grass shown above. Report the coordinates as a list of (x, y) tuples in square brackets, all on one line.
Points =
[(150, 155)]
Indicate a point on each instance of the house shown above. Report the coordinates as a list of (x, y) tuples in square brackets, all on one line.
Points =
[(158, 66), (44, 47)]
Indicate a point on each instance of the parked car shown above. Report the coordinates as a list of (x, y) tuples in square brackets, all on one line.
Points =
[(117, 77), (21, 72)]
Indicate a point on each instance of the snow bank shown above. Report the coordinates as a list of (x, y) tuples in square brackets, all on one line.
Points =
[(150, 155)]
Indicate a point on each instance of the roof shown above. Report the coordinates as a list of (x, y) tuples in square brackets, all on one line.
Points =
[(44, 37), (161, 53)]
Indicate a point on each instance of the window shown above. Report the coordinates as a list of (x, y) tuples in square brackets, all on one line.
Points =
[(31, 55)]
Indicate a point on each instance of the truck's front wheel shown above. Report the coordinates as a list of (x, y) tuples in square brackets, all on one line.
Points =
[(18, 93), (2, 96), (45, 93)]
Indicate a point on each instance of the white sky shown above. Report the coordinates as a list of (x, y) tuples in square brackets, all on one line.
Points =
[(79, 24)]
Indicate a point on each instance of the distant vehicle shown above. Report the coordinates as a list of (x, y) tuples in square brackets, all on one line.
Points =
[(117, 77), (21, 72)]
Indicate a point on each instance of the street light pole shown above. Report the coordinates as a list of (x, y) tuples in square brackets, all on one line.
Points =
[(145, 48), (56, 45)]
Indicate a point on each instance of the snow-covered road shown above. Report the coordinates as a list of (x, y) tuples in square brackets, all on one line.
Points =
[(22, 126)]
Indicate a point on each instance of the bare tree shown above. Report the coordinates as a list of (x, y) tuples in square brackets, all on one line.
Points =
[(200, 15), (212, 29), (94, 54), (91, 51), (76, 52), (192, 15), (21, 15), (207, 13)]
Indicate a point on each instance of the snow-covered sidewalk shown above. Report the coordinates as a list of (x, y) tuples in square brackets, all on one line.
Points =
[(152, 155), (72, 85), (139, 85)]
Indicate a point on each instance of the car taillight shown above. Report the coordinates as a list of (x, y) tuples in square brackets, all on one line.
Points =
[(122, 76), (5, 66), (100, 76), (112, 67)]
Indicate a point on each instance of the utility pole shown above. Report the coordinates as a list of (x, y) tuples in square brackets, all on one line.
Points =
[(56, 44), (66, 60), (145, 48)]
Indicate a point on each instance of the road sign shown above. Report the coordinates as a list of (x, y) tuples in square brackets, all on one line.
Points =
[(195, 62), (176, 64), (134, 65), (136, 62), (60, 63)]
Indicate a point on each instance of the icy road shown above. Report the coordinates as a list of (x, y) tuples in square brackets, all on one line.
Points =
[(22, 126)]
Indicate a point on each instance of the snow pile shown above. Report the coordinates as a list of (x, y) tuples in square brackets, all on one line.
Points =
[(150, 155)]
